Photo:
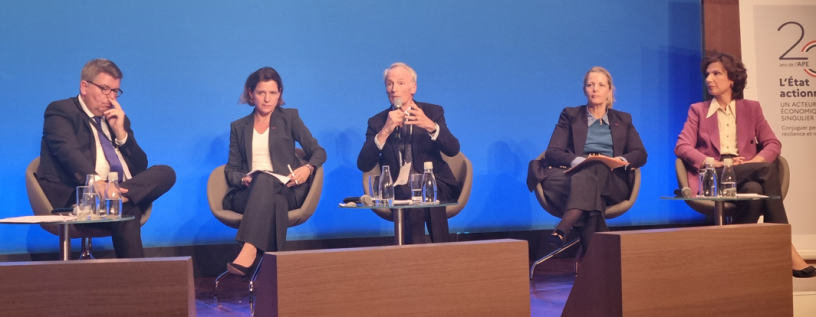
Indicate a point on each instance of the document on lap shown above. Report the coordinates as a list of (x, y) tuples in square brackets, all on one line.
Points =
[(280, 177), (611, 162)]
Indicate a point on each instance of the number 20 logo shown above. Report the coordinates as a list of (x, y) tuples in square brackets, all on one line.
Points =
[(806, 48)]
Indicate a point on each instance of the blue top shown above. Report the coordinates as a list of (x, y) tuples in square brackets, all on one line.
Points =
[(599, 138)]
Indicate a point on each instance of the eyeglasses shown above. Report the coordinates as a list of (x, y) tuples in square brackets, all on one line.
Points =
[(106, 90)]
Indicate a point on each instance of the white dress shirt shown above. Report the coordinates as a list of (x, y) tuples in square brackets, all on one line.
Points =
[(727, 124), (102, 167), (261, 159)]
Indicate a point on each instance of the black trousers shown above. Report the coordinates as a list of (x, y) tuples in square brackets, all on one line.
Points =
[(265, 205), (143, 189), (435, 218), (589, 189), (763, 179)]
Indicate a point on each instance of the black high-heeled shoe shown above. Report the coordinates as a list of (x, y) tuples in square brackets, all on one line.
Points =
[(809, 271), (237, 269), (556, 238)]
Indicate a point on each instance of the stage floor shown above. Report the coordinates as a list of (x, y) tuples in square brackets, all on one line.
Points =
[(549, 290)]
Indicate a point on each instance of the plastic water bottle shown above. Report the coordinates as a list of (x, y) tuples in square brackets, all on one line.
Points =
[(428, 184), (728, 181), (387, 185), (710, 181), (113, 197)]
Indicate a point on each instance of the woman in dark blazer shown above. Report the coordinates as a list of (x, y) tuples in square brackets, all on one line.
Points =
[(590, 130), (264, 142)]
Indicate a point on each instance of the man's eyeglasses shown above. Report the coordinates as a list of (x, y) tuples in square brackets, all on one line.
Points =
[(106, 90)]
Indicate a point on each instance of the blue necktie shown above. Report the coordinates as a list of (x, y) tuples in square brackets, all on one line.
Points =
[(110, 152)]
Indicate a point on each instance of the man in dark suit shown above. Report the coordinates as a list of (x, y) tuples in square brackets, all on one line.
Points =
[(90, 135), (405, 139)]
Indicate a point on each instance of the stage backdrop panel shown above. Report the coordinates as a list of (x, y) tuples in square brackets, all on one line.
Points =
[(502, 70), (778, 47)]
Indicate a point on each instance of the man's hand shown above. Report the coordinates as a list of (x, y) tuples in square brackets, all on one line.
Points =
[(116, 119), (301, 175), (101, 187), (246, 180), (418, 118), (394, 121)]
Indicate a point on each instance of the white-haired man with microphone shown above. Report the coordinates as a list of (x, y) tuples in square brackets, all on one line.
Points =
[(405, 136)]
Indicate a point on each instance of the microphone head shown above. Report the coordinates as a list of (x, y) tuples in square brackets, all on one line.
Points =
[(682, 192), (397, 102), (366, 200)]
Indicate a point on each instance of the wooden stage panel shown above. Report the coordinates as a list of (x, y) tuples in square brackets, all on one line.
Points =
[(110, 287), (487, 278), (735, 270)]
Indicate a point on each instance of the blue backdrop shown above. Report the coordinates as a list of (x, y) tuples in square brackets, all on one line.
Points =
[(503, 70)]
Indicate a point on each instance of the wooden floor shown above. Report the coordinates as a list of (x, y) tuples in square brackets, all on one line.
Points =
[(548, 292)]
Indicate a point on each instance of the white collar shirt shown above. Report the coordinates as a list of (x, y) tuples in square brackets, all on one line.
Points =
[(102, 166)]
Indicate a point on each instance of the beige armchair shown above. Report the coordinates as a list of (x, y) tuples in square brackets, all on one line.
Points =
[(217, 188), (707, 207), (611, 212), (41, 206), (462, 172)]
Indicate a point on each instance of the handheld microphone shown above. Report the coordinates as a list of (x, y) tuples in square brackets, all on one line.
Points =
[(398, 105), (682, 192), (365, 200)]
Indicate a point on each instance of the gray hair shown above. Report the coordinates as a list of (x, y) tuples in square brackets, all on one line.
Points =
[(400, 64)]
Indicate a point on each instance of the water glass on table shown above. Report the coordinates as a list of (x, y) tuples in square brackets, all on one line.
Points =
[(416, 189), (86, 202), (374, 188)]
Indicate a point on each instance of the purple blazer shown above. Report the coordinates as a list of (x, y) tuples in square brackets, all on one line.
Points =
[(700, 137)]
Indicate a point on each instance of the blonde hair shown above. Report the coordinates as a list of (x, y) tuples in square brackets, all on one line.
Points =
[(598, 69)]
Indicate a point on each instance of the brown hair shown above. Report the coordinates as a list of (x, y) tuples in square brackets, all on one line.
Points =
[(735, 69), (263, 74), (100, 65)]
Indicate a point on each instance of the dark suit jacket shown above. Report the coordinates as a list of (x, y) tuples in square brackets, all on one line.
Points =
[(569, 138), (285, 127), (700, 137), (423, 149), (68, 151)]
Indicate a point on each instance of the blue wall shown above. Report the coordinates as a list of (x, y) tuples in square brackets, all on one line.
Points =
[(503, 70)]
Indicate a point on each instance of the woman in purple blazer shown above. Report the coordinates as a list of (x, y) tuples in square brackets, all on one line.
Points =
[(728, 126)]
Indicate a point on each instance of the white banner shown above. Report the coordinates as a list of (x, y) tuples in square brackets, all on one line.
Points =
[(779, 50)]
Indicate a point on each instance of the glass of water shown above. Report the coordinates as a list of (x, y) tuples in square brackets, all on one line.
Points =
[(416, 189), (86, 202), (374, 188)]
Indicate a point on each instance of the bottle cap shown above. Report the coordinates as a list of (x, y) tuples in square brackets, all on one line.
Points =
[(429, 165), (113, 176), (728, 162)]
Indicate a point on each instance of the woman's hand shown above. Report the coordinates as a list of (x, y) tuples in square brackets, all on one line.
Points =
[(246, 180), (300, 176), (741, 160)]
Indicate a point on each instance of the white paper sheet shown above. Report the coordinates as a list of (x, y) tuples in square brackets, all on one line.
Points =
[(37, 219)]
